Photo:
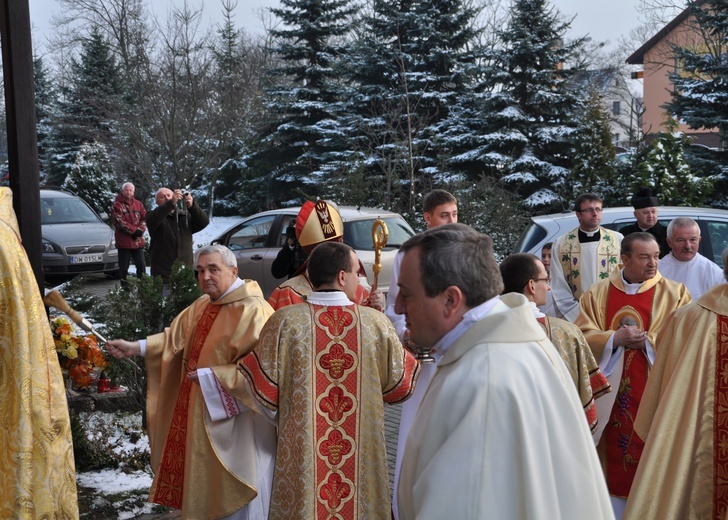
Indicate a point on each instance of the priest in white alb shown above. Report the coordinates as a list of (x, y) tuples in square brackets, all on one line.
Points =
[(500, 431), (685, 264)]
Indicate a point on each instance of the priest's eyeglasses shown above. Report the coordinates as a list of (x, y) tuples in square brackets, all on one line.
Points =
[(547, 280)]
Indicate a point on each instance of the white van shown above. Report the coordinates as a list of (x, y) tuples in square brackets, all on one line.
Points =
[(547, 228)]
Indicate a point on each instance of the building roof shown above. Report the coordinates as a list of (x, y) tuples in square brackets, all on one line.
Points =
[(638, 56)]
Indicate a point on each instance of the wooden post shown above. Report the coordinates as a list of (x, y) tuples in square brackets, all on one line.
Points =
[(17, 55)]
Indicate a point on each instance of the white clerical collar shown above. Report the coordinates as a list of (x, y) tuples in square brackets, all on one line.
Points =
[(589, 233), (630, 288), (237, 283), (473, 315), (329, 298), (536, 311)]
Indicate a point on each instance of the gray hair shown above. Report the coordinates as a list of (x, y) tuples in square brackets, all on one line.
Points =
[(156, 193), (724, 257), (456, 254), (681, 222), (128, 184), (228, 257)]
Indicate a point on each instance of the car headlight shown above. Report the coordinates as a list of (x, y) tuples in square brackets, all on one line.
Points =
[(48, 247), (113, 244)]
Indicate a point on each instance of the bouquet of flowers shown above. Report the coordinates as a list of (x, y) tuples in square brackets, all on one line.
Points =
[(78, 354)]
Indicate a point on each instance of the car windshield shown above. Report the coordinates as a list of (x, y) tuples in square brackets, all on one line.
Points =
[(66, 210), (358, 233)]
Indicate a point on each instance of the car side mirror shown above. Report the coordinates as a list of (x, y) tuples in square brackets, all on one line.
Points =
[(104, 216)]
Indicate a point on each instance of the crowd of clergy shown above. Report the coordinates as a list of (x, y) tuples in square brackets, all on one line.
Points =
[(591, 382)]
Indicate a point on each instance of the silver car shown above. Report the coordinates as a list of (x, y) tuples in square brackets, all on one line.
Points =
[(257, 239), (713, 227), (75, 239)]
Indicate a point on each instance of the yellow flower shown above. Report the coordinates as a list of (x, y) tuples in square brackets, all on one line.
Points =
[(71, 352)]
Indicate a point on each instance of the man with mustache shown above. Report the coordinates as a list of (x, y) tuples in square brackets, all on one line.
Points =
[(684, 264)]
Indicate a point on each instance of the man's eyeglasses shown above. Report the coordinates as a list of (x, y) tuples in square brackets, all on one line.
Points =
[(547, 280), (590, 210)]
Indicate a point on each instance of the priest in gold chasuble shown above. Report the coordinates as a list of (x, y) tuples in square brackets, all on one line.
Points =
[(324, 369), (620, 318), (209, 467), (684, 417), (37, 470)]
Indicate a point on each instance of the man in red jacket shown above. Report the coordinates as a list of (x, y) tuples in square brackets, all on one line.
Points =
[(129, 223)]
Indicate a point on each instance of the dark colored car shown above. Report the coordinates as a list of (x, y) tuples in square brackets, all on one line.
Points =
[(75, 238)]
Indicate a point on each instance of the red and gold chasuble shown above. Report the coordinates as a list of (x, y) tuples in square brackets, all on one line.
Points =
[(720, 426), (622, 445), (337, 383), (170, 480), (328, 370)]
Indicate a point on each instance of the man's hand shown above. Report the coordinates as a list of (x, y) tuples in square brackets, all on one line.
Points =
[(376, 300), (137, 233), (120, 348), (192, 376), (631, 337), (188, 200), (176, 196)]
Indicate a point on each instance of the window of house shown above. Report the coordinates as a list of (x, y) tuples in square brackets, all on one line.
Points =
[(616, 137), (615, 108)]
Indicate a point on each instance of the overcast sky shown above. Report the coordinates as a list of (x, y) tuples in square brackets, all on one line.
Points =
[(601, 19)]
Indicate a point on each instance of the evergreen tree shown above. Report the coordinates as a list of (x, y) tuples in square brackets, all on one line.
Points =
[(305, 136), (529, 105), (594, 157), (92, 177), (700, 96), (89, 108), (46, 108), (670, 175), (412, 64)]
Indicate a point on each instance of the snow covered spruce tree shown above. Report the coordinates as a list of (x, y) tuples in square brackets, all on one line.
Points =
[(411, 65), (594, 157), (88, 109), (46, 110), (669, 173), (700, 96), (92, 177), (530, 111), (305, 136)]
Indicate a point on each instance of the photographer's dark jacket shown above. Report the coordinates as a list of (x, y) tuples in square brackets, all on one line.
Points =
[(171, 232)]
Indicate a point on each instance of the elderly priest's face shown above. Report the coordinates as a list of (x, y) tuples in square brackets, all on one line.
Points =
[(214, 276)]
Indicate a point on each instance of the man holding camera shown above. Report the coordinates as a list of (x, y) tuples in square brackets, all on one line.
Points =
[(171, 226)]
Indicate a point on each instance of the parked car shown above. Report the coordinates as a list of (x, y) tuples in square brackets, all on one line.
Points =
[(75, 238), (713, 227), (257, 239)]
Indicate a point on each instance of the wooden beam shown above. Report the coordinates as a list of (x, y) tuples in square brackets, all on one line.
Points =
[(17, 55)]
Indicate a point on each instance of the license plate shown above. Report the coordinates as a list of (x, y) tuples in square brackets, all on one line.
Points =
[(86, 259)]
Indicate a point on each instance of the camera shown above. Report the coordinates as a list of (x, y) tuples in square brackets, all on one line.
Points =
[(185, 193)]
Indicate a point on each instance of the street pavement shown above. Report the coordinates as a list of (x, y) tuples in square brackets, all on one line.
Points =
[(100, 285)]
